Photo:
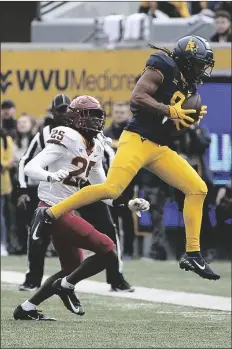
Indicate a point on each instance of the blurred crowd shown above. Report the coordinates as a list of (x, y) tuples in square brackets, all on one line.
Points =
[(219, 10), (16, 135)]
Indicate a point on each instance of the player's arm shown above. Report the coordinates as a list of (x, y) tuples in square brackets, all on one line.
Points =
[(143, 94), (33, 148), (35, 169), (143, 97)]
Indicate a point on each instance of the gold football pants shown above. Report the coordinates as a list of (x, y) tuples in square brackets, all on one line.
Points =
[(135, 152)]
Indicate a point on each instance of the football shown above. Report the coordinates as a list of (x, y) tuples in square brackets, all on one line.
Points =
[(193, 102)]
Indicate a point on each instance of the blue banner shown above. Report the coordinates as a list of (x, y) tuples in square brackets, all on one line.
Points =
[(217, 96)]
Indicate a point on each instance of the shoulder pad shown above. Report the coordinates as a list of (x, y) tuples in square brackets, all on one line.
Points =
[(64, 136), (161, 62)]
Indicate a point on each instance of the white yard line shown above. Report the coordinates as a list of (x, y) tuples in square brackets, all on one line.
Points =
[(196, 300)]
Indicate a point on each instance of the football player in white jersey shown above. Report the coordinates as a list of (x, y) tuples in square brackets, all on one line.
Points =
[(73, 154)]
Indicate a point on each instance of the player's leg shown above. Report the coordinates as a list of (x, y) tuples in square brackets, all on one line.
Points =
[(177, 172), (35, 254), (98, 214), (83, 234), (130, 157), (70, 257), (28, 311), (36, 257)]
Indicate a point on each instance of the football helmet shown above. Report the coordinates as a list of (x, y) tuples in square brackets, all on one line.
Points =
[(194, 57), (59, 108), (86, 115)]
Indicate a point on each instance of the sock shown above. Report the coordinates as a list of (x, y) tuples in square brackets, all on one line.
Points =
[(194, 254), (66, 284), (28, 306), (92, 266), (193, 206), (81, 198), (46, 290)]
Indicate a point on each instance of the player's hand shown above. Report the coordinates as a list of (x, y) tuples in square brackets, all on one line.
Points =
[(103, 139), (23, 201), (180, 116), (137, 205), (58, 176), (203, 112)]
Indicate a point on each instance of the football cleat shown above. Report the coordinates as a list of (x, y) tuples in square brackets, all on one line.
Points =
[(21, 314), (198, 265), (68, 297), (122, 286), (39, 225), (28, 287)]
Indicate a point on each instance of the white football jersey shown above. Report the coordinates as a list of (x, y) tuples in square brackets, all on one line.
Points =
[(72, 156)]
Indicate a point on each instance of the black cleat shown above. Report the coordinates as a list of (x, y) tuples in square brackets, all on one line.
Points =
[(39, 225), (28, 287), (20, 314), (198, 265), (122, 286), (68, 297)]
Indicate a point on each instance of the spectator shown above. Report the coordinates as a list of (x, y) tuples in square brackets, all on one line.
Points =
[(23, 138), (24, 135), (224, 203), (223, 27), (206, 8), (148, 7), (9, 122), (6, 187), (224, 218), (120, 117), (174, 8), (156, 192), (170, 8), (192, 145), (224, 5)]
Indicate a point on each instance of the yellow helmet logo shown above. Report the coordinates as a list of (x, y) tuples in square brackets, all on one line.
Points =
[(191, 46)]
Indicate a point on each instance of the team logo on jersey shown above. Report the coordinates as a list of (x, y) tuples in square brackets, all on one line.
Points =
[(191, 46)]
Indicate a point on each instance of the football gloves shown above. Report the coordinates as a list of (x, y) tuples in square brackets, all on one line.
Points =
[(23, 201), (203, 112), (58, 176), (180, 116), (103, 139), (137, 205)]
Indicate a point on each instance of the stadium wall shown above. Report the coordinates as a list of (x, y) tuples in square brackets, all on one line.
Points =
[(32, 74)]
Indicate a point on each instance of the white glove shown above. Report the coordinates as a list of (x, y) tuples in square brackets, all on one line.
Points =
[(58, 176), (137, 205), (104, 140)]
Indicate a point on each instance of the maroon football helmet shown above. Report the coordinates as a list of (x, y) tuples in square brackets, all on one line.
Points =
[(86, 115)]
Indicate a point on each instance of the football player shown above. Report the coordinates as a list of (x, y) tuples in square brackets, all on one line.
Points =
[(156, 104), (73, 154), (92, 213)]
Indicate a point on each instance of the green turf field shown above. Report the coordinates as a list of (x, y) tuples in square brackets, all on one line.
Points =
[(118, 322)]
